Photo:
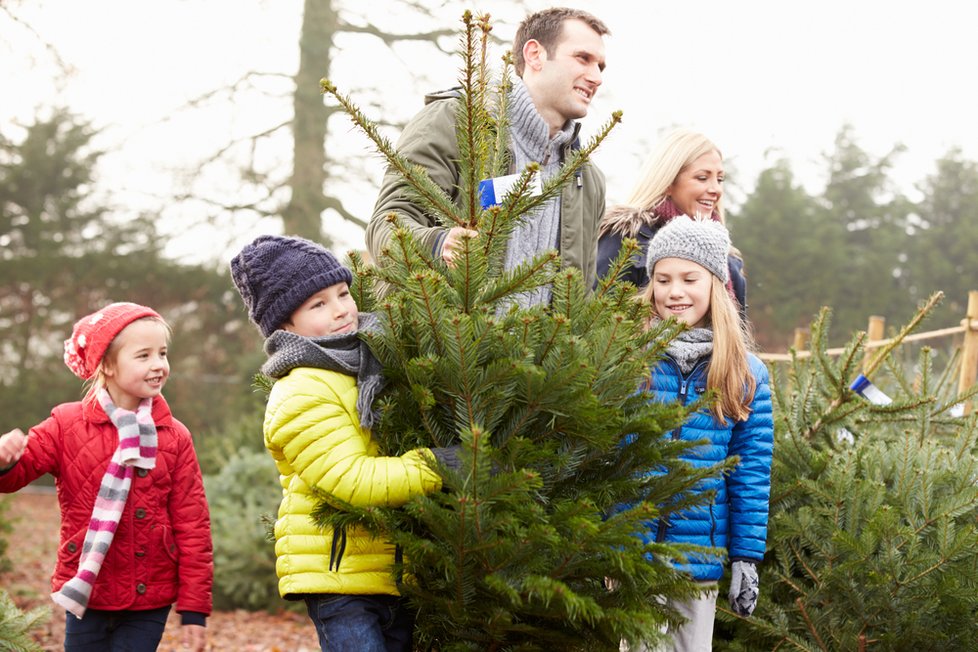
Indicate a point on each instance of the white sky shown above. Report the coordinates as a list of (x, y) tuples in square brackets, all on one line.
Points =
[(762, 78)]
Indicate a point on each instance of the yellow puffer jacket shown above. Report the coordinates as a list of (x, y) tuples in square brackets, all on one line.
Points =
[(313, 432)]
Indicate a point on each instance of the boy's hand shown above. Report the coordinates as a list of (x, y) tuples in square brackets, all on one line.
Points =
[(12, 447), (194, 637)]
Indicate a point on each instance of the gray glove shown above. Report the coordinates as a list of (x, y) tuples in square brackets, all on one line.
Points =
[(744, 587), (448, 457)]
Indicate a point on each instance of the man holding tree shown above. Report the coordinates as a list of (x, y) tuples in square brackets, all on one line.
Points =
[(559, 57)]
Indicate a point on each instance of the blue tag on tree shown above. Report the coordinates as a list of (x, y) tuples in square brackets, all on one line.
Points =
[(492, 191), (869, 391)]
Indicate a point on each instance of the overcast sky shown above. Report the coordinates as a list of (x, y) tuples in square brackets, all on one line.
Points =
[(763, 79)]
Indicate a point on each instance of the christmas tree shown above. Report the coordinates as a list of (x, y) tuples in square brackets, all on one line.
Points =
[(873, 538), (556, 439)]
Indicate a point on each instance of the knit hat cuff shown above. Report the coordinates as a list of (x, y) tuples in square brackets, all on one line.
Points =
[(702, 241)]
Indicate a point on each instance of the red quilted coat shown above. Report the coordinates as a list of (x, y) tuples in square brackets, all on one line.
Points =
[(161, 552)]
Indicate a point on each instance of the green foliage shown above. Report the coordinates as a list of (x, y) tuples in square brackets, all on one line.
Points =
[(515, 551), (859, 245), (787, 283), (243, 497), (873, 539), (64, 254), (945, 236), (16, 626)]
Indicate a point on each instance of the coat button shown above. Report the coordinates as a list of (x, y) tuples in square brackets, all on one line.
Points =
[(142, 473), (140, 512), (140, 553), (140, 588), (72, 546)]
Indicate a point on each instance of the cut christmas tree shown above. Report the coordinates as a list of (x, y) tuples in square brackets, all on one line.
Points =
[(555, 438)]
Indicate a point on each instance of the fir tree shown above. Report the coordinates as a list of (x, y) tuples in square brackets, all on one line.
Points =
[(16, 625), (519, 549), (873, 541)]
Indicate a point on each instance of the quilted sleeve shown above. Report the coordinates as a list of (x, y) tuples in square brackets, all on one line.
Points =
[(42, 455), (428, 141), (190, 518), (749, 486), (312, 429)]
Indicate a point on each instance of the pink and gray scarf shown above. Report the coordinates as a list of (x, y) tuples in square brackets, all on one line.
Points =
[(137, 448)]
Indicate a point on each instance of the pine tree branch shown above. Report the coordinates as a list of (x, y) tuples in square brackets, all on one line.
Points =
[(911, 326), (420, 183), (811, 626), (808, 569)]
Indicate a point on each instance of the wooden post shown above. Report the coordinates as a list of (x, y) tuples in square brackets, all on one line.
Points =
[(801, 337), (969, 352), (875, 330)]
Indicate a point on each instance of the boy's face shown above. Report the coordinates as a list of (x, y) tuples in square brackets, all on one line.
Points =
[(331, 311)]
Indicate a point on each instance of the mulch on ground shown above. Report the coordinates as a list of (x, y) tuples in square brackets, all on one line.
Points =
[(32, 549)]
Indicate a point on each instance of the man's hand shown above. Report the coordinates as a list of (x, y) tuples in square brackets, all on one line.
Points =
[(194, 637), (12, 447), (452, 246)]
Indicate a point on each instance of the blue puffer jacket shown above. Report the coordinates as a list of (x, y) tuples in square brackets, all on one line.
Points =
[(736, 518)]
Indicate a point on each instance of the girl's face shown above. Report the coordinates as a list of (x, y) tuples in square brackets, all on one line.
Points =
[(137, 366), (699, 186), (331, 311), (681, 289)]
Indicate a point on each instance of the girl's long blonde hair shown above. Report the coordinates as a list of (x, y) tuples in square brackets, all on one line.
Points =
[(670, 156), (729, 372)]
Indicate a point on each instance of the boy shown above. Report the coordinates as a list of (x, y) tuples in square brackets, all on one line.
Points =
[(317, 428)]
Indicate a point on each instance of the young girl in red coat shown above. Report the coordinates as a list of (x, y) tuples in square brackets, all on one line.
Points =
[(135, 528)]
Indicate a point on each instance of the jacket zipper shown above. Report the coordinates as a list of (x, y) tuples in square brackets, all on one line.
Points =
[(684, 381)]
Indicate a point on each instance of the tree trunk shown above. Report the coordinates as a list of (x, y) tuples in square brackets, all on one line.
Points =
[(303, 214)]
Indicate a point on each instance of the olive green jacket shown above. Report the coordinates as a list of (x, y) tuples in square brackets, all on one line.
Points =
[(429, 140)]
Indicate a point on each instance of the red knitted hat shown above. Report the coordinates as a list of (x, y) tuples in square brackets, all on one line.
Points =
[(93, 334)]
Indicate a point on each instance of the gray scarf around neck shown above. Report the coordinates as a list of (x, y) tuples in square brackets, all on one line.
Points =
[(690, 347), (345, 353), (531, 142)]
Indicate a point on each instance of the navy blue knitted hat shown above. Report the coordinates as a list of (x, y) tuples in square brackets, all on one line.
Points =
[(276, 274)]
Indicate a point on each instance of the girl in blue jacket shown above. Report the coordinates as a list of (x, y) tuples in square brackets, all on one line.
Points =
[(688, 272)]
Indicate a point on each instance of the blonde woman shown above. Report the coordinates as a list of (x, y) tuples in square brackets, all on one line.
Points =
[(683, 175)]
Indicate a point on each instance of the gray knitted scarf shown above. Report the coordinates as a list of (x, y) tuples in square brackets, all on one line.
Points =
[(690, 346), (530, 137), (345, 353)]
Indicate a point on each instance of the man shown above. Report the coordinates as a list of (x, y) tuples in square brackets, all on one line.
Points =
[(559, 56)]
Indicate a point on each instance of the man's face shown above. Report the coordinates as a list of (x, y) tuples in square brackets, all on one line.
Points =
[(563, 82)]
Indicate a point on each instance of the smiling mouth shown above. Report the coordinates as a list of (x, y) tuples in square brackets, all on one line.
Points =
[(584, 93)]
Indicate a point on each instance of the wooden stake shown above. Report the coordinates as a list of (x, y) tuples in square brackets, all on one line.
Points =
[(874, 332), (969, 352)]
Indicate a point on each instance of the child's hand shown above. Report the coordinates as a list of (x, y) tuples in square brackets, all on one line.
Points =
[(12, 447), (194, 637)]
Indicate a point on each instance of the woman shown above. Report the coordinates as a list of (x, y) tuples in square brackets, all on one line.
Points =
[(683, 176)]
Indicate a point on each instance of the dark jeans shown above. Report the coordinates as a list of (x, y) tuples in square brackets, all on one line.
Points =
[(115, 631), (361, 623)]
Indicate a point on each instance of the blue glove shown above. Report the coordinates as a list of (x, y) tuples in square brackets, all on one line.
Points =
[(744, 587)]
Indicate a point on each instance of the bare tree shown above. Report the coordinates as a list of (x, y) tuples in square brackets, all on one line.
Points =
[(301, 196)]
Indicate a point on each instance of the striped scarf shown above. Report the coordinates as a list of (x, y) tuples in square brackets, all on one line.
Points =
[(137, 448)]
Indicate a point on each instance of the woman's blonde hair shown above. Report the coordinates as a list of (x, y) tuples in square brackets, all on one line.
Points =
[(729, 373), (670, 156), (97, 381)]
